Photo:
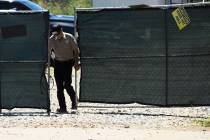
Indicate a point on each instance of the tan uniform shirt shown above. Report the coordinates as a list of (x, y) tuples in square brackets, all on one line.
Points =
[(65, 48)]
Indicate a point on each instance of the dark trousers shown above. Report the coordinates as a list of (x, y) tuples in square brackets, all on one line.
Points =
[(63, 78)]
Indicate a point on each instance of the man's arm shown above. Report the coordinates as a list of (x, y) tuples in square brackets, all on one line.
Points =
[(50, 43), (49, 51), (76, 52)]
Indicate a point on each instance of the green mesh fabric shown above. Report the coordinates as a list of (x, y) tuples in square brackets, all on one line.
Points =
[(23, 53), (140, 55)]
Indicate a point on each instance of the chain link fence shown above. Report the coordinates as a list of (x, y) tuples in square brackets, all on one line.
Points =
[(140, 55)]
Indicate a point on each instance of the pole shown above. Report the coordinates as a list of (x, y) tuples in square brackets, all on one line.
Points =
[(166, 55), (48, 67), (0, 85), (48, 75), (75, 35), (0, 93)]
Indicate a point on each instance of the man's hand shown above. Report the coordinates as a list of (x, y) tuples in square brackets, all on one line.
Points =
[(76, 67)]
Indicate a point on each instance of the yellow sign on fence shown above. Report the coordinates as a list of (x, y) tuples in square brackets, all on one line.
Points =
[(181, 17)]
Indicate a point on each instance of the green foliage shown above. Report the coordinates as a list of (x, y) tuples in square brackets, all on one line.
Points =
[(65, 7), (205, 122)]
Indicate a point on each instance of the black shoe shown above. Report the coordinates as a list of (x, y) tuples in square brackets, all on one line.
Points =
[(74, 106), (59, 110)]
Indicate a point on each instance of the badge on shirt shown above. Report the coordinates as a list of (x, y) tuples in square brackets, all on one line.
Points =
[(67, 41)]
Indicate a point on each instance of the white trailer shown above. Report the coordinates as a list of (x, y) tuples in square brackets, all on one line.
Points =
[(125, 3)]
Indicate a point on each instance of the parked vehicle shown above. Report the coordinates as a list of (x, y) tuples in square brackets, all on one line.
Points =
[(67, 22)]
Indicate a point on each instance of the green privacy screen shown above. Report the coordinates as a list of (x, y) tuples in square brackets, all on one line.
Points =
[(23, 53), (140, 55)]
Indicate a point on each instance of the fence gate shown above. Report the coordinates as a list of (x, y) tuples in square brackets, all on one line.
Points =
[(23, 53)]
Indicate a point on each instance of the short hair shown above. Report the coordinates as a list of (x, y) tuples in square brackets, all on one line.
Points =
[(56, 28)]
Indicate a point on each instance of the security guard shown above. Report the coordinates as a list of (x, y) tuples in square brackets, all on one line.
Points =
[(66, 54)]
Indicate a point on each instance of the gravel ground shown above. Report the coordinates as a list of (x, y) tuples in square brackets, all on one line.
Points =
[(102, 115), (92, 115)]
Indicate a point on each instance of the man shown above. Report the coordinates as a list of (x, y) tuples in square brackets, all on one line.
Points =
[(66, 54)]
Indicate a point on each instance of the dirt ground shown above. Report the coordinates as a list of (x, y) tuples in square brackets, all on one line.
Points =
[(133, 122), (101, 134)]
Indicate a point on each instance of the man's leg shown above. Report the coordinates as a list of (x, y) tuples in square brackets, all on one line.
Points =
[(60, 86), (60, 95), (68, 86), (72, 95)]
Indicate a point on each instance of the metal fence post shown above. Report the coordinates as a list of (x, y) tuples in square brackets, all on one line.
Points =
[(166, 54), (48, 68), (0, 89), (0, 95), (75, 35), (48, 65)]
